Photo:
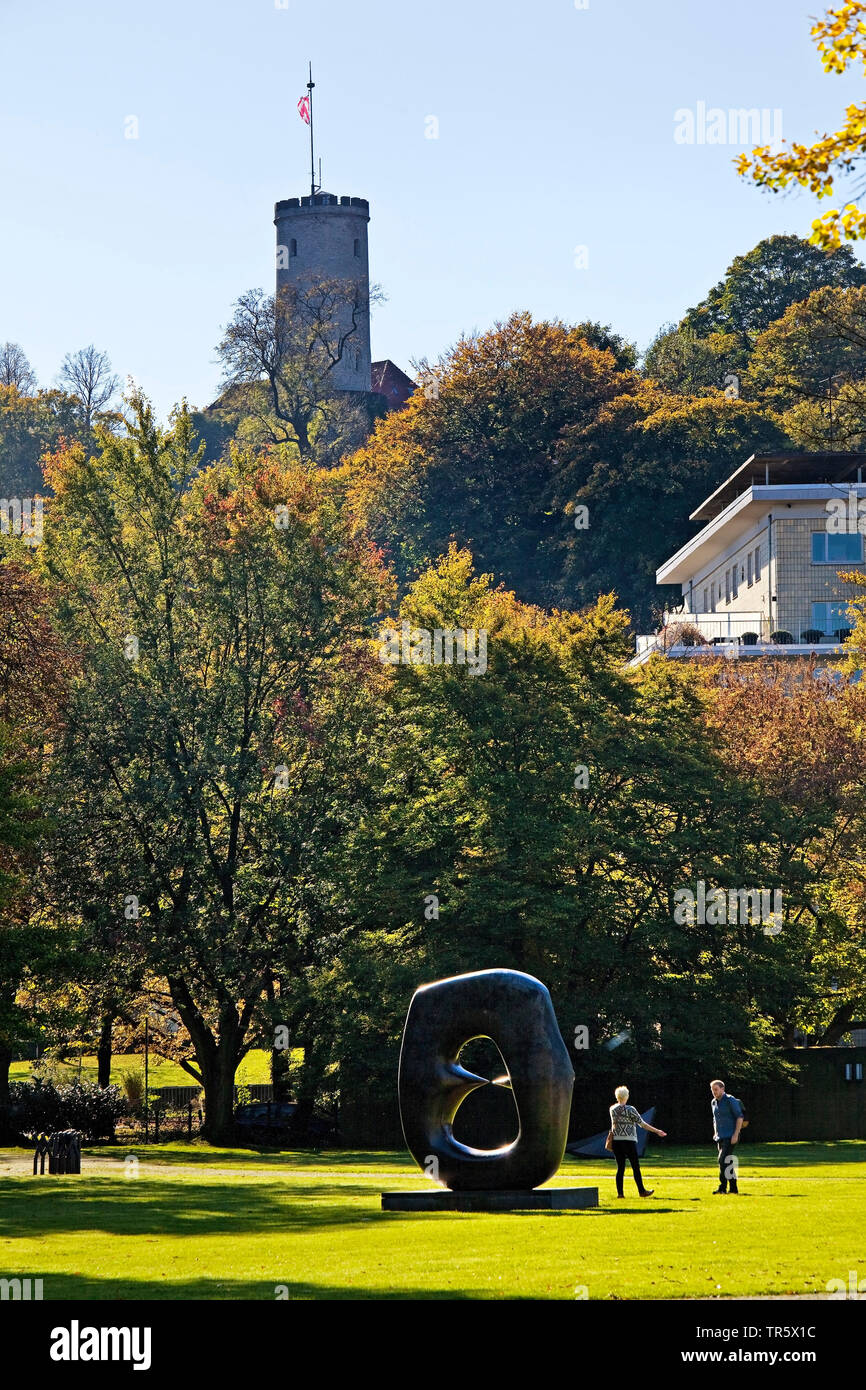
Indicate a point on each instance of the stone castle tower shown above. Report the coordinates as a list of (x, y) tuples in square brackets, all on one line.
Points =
[(325, 237)]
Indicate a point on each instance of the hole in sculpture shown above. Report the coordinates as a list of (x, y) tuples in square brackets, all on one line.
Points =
[(488, 1118)]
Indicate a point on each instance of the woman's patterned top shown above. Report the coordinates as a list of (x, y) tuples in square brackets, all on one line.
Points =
[(623, 1122)]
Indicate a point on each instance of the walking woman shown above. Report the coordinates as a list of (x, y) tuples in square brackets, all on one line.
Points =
[(624, 1120)]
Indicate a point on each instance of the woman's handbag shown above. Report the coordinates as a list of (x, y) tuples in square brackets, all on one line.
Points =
[(608, 1143)]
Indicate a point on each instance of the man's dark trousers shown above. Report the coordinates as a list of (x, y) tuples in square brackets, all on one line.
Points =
[(726, 1152)]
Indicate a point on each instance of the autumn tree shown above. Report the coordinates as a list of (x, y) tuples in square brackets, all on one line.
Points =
[(602, 336), (840, 37), (215, 733), (475, 456), (810, 366), (33, 673), (795, 732)]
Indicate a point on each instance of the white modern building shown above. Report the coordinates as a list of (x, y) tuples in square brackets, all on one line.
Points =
[(763, 574)]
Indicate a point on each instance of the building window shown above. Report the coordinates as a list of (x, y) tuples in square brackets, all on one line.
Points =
[(830, 617), (293, 247), (749, 570), (713, 597), (706, 602), (757, 563), (837, 547), (727, 586), (735, 582), (358, 247)]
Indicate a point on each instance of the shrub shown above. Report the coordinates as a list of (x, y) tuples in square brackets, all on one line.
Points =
[(43, 1106), (682, 635), (133, 1088)]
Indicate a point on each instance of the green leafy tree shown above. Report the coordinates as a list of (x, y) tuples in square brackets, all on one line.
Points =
[(33, 668), (681, 361), (810, 366), (216, 729), (542, 816), (640, 467), (30, 426), (759, 287)]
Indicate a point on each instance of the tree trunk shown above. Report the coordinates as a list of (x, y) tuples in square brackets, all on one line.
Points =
[(218, 1076), (217, 1053), (103, 1051)]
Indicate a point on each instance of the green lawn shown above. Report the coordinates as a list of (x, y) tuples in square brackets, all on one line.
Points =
[(254, 1070), (233, 1223)]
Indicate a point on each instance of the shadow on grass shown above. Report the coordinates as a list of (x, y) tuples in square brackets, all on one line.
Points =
[(153, 1208), (146, 1206), (78, 1288)]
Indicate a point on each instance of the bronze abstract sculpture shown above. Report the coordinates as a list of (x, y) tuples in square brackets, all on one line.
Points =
[(515, 1011)]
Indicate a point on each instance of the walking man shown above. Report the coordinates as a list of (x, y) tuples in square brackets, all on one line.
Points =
[(727, 1123)]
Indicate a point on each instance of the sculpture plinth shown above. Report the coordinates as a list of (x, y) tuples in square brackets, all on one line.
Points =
[(541, 1199)]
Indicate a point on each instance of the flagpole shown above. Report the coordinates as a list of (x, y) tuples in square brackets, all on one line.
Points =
[(310, 85)]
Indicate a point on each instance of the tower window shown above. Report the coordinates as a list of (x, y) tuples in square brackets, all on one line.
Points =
[(357, 246), (293, 247)]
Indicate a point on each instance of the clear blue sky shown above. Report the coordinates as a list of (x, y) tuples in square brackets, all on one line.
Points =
[(555, 130)]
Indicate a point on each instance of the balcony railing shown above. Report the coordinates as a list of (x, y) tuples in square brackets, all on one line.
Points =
[(734, 634)]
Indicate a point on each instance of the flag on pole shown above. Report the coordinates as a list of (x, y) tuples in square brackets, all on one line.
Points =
[(304, 110)]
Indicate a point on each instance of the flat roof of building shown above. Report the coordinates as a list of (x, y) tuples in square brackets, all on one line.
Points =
[(743, 511), (777, 470)]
